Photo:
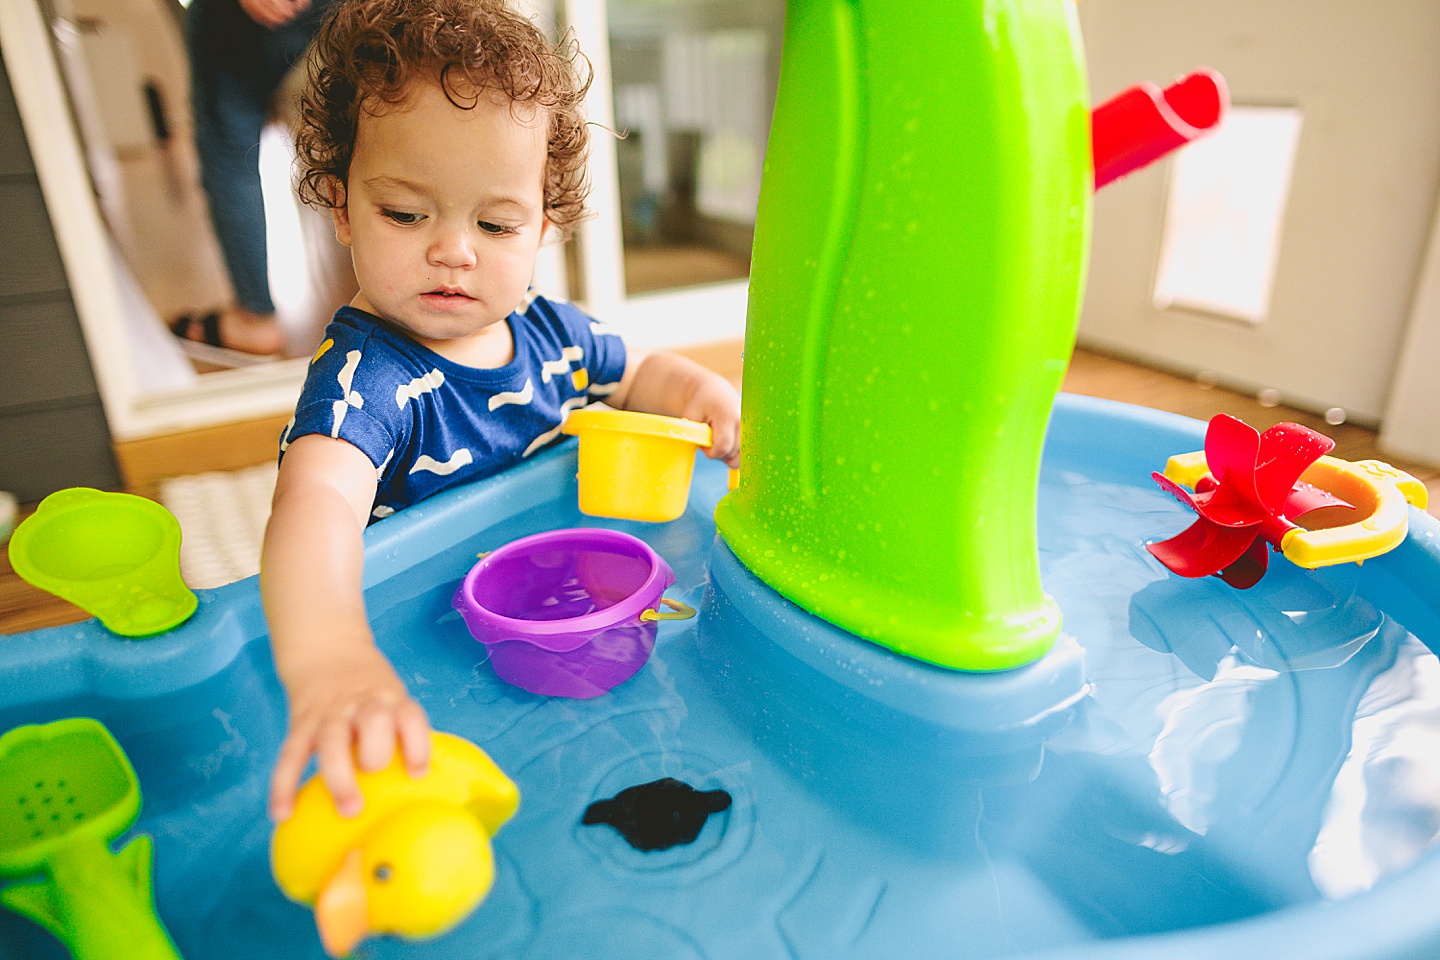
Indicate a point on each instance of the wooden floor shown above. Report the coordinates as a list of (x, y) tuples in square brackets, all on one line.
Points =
[(22, 607), (1099, 376)]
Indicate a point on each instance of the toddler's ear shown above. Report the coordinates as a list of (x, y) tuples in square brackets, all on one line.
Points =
[(341, 215), (544, 228), (340, 211)]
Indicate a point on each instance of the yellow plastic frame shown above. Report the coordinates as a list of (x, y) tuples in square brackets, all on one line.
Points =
[(1381, 494)]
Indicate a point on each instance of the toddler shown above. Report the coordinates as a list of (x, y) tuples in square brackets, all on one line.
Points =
[(446, 139)]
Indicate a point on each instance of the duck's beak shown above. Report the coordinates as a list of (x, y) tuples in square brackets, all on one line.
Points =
[(341, 910)]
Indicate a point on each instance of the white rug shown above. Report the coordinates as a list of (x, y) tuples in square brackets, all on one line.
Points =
[(222, 522)]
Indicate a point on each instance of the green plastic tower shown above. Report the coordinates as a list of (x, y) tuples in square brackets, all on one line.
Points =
[(916, 280)]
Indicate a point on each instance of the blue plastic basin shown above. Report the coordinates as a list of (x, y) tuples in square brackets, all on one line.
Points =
[(1195, 772)]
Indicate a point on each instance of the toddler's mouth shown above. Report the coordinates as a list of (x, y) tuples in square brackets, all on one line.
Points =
[(443, 298)]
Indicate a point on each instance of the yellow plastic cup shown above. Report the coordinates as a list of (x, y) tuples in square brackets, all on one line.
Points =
[(635, 466), (114, 555)]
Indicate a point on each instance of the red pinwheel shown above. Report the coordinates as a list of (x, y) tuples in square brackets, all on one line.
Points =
[(1251, 497)]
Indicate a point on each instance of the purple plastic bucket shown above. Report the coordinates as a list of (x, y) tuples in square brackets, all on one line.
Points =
[(563, 613)]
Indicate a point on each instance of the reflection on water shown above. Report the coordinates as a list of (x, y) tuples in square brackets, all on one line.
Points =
[(1203, 729), (1384, 808)]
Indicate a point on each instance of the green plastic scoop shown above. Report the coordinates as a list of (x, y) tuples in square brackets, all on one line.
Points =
[(115, 555), (66, 791)]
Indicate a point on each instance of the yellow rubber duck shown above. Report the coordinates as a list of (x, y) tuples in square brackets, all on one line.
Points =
[(414, 863)]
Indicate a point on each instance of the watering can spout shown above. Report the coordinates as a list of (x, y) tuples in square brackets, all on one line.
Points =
[(1144, 123)]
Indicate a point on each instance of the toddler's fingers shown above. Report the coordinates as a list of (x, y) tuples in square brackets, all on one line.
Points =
[(294, 753), (375, 736), (718, 446), (732, 457), (414, 729), (335, 750), (724, 444)]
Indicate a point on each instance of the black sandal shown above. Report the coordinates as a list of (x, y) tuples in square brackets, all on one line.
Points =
[(183, 327), (210, 348)]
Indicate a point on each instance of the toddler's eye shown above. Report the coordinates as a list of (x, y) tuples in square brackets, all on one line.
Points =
[(494, 229), (401, 217)]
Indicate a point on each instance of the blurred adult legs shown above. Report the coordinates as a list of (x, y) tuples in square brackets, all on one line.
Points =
[(237, 66)]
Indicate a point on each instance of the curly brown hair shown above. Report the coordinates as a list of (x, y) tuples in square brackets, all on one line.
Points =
[(367, 51)]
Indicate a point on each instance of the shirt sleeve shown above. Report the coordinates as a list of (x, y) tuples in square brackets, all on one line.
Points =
[(344, 387), (605, 352)]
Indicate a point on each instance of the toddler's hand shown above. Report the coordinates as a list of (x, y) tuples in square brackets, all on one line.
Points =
[(351, 710), (715, 402)]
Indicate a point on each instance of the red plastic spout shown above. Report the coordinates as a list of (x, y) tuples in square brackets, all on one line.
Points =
[(1142, 124)]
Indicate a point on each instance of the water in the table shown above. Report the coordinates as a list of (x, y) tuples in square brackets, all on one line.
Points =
[(1238, 752)]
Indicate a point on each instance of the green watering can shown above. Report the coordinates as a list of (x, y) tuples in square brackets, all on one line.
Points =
[(66, 791), (114, 555)]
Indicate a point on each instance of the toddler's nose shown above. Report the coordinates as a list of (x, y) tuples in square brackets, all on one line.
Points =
[(452, 248)]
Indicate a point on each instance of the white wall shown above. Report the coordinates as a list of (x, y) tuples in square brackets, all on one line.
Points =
[(1412, 422), (1365, 76)]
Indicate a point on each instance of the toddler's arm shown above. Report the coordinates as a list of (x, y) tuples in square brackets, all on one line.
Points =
[(346, 701), (676, 386)]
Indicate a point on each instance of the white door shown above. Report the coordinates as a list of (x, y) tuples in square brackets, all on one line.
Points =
[(689, 87), (1353, 234)]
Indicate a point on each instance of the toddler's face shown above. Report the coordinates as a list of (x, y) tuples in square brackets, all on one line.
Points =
[(444, 212)]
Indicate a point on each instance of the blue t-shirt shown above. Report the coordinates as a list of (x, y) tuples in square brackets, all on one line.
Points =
[(428, 423)]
